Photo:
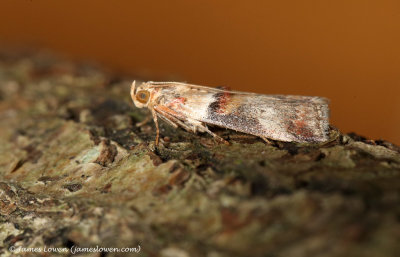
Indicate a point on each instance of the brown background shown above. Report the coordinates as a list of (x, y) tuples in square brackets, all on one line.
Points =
[(348, 51)]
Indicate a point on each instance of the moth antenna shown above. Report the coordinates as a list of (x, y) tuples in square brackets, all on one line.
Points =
[(133, 89)]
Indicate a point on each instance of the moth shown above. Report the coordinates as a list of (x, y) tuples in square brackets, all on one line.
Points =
[(279, 117)]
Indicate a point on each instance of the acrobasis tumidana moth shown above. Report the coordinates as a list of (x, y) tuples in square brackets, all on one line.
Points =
[(280, 117)]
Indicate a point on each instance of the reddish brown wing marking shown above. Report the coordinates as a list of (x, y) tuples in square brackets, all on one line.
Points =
[(299, 127), (225, 103), (231, 113), (223, 100), (176, 102)]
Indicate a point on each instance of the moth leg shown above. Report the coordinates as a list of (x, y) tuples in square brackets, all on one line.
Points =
[(153, 112), (170, 122), (145, 121), (203, 128), (266, 140), (216, 136), (173, 119), (194, 125)]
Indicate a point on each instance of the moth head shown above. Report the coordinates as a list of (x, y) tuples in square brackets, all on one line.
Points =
[(140, 95)]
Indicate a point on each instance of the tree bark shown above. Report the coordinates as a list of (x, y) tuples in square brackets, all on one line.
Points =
[(75, 170)]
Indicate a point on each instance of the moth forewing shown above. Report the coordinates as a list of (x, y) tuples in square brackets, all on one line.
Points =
[(278, 117)]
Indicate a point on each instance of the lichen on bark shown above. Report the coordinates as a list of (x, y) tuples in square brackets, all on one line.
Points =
[(76, 170)]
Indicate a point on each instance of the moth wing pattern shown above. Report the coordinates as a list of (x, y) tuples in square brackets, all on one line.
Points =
[(279, 117)]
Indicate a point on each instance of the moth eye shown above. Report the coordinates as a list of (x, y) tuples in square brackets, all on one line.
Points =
[(143, 96)]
